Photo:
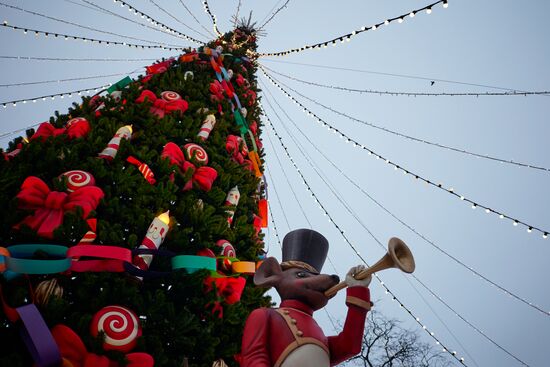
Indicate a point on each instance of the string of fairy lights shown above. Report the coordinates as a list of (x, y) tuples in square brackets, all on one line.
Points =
[(63, 21), (393, 132), (176, 19), (39, 58), (450, 190), (195, 18), (212, 16), (411, 94), (355, 250), (347, 37), (339, 198), (157, 23), (46, 34), (469, 268), (74, 93), (65, 80), (274, 15)]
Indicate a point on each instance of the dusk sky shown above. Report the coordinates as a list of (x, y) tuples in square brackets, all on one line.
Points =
[(480, 284)]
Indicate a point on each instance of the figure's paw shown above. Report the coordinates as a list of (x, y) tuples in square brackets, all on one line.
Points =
[(350, 277)]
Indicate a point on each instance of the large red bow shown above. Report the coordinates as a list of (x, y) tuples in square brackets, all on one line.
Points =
[(74, 351), (157, 68), (50, 206), (203, 177), (229, 289), (238, 150), (216, 91), (77, 129), (250, 95), (161, 107)]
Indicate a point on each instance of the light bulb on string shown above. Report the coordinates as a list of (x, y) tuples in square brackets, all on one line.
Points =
[(445, 4)]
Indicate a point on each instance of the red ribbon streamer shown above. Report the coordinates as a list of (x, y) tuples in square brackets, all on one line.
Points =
[(203, 177), (50, 206), (161, 107), (74, 351), (77, 129), (143, 168)]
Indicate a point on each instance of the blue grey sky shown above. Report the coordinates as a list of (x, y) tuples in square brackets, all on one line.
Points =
[(493, 43)]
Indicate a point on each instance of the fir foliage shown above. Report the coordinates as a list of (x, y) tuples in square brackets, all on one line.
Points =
[(177, 315)]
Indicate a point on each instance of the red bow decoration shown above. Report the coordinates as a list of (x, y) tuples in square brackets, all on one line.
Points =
[(216, 90), (143, 168), (229, 289), (203, 177), (10, 155), (75, 353), (250, 95), (238, 150), (242, 82), (254, 129), (157, 68), (50, 206), (161, 107), (75, 130)]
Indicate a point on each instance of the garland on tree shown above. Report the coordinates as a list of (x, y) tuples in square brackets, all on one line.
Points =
[(142, 207)]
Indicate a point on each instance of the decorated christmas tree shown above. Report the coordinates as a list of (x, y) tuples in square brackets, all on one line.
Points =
[(132, 223)]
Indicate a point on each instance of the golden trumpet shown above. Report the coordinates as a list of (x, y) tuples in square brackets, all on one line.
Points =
[(398, 256)]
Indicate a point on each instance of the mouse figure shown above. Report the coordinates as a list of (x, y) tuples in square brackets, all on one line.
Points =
[(288, 336)]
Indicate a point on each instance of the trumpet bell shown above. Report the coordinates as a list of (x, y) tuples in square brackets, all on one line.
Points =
[(401, 255)]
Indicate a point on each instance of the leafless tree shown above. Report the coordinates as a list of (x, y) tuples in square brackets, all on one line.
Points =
[(387, 344)]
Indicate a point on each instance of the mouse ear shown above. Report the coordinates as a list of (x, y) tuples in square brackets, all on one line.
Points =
[(268, 273)]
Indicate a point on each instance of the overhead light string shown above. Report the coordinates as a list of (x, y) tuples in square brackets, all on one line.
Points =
[(274, 14), (349, 36), (342, 201), (339, 198), (196, 20), (83, 26), (36, 32), (450, 190), (157, 23), (66, 80), (331, 220), (176, 19), (76, 93), (38, 58), (212, 16), (412, 94), (470, 269), (419, 140)]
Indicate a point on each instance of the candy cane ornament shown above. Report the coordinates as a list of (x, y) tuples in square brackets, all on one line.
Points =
[(109, 153), (232, 199), (207, 127)]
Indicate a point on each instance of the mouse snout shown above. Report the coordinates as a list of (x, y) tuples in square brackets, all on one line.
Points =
[(335, 277)]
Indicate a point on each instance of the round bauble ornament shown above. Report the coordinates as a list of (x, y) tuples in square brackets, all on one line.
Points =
[(120, 325), (46, 290), (77, 179)]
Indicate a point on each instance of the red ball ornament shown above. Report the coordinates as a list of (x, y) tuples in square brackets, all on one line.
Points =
[(120, 325), (77, 179)]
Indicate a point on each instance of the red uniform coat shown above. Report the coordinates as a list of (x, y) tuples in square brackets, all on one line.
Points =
[(270, 335)]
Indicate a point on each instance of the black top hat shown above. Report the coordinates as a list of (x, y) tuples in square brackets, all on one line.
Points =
[(304, 248)]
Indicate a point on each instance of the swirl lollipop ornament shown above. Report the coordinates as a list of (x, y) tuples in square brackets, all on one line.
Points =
[(398, 256), (120, 325)]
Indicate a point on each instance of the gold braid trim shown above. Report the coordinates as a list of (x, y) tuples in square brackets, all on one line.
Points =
[(298, 264)]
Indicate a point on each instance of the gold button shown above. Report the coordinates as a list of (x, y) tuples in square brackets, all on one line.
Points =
[(299, 333), (286, 312), (293, 321)]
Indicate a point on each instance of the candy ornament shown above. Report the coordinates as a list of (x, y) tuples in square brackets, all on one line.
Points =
[(207, 126), (188, 75), (156, 233), (196, 152), (77, 179), (232, 199), (46, 290), (109, 153), (120, 325)]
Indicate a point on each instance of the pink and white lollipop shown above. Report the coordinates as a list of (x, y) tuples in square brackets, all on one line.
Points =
[(170, 96), (77, 179), (120, 325), (197, 152), (226, 248)]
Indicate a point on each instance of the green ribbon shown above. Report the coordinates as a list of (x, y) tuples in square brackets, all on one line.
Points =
[(241, 122), (121, 84), (192, 263), (19, 262)]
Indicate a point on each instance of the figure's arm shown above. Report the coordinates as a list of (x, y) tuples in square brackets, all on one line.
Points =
[(348, 343), (255, 342)]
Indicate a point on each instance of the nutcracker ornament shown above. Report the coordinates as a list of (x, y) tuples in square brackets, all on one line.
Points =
[(288, 336)]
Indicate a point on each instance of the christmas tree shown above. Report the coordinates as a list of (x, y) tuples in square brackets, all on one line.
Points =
[(143, 204)]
